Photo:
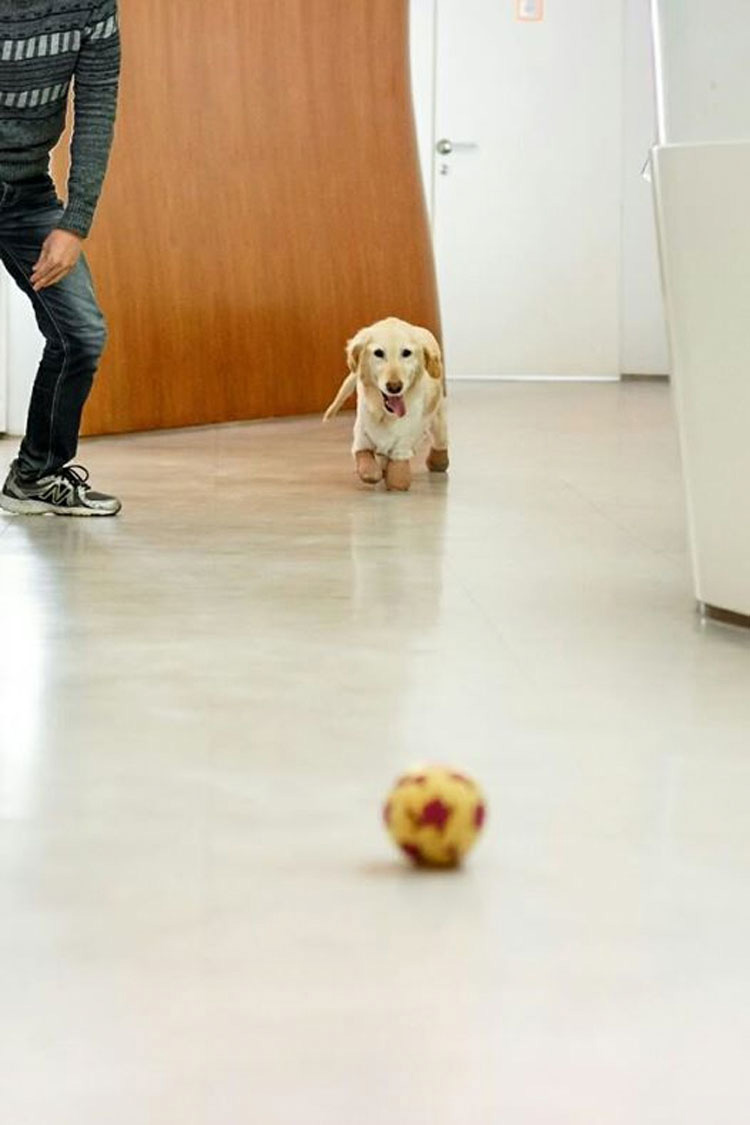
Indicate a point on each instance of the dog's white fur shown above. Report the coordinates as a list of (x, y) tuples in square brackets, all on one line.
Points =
[(400, 354)]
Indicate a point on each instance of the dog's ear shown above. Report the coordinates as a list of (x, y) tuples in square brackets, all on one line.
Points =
[(354, 350), (433, 363)]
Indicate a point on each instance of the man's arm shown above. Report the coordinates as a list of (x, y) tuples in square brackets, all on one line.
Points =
[(95, 92), (95, 87)]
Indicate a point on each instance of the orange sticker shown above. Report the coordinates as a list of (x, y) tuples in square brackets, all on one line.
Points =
[(530, 11)]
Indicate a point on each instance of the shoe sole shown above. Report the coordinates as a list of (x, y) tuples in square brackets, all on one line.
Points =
[(41, 508)]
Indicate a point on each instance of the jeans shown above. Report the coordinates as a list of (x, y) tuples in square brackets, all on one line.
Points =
[(70, 321)]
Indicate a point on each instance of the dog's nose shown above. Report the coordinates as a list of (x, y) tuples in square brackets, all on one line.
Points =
[(394, 387)]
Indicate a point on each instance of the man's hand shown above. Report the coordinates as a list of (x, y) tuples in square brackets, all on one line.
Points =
[(60, 253)]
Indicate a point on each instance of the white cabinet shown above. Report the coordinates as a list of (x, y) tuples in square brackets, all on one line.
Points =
[(702, 185)]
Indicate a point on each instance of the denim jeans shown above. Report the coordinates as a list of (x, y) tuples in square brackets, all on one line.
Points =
[(70, 321)]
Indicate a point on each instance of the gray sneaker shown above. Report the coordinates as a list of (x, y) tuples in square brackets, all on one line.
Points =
[(64, 493)]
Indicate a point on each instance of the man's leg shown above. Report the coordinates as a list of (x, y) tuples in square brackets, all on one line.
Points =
[(73, 327)]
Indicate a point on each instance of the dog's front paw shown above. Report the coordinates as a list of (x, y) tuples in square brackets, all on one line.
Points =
[(398, 476), (368, 469), (438, 461)]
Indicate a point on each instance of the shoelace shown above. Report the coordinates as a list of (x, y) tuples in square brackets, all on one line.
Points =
[(76, 475)]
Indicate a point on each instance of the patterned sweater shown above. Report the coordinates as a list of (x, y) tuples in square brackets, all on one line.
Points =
[(45, 46)]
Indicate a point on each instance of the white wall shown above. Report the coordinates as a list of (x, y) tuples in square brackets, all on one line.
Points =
[(4, 322), (703, 50), (643, 337), (20, 355)]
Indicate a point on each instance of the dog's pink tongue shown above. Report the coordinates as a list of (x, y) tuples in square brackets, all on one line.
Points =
[(397, 405)]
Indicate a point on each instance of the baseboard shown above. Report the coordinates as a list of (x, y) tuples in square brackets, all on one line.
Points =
[(724, 616), (633, 377), (533, 378), (626, 377)]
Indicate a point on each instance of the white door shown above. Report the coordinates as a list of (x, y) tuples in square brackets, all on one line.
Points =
[(527, 219)]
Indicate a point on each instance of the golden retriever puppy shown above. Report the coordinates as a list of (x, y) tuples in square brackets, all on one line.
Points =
[(397, 371)]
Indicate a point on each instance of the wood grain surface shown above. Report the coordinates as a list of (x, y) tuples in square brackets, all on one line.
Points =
[(264, 201)]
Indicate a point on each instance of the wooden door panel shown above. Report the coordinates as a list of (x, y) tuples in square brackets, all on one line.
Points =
[(264, 201)]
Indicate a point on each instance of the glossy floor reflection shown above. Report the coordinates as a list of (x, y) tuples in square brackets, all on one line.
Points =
[(203, 702)]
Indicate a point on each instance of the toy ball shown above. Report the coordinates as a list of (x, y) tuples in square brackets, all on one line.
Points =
[(435, 815)]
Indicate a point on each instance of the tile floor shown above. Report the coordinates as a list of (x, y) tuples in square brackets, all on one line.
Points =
[(202, 703)]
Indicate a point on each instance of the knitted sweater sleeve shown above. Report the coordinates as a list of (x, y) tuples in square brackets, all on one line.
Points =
[(95, 86)]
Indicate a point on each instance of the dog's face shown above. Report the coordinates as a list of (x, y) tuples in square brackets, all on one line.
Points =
[(390, 358)]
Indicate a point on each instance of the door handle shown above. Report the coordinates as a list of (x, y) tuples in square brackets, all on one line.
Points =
[(445, 146)]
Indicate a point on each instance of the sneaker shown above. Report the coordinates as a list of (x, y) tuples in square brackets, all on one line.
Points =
[(64, 493)]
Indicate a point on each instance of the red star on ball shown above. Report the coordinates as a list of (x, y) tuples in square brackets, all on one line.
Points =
[(435, 813)]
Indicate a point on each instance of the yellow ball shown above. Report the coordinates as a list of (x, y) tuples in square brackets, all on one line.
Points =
[(435, 815)]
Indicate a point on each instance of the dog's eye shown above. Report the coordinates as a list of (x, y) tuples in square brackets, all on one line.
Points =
[(407, 353), (379, 353)]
